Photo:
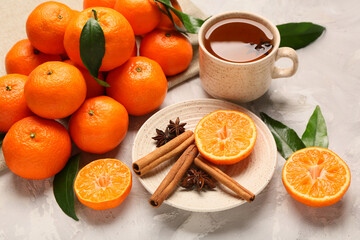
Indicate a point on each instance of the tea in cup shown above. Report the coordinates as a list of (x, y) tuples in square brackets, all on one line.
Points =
[(237, 57)]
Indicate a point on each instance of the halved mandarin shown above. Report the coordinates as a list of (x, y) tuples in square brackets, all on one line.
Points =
[(316, 176), (103, 184), (225, 136)]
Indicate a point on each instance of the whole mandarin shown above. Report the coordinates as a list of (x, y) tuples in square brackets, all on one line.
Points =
[(23, 58), (36, 148), (171, 49), (55, 90), (119, 37), (143, 15), (46, 25), (99, 125), (139, 84)]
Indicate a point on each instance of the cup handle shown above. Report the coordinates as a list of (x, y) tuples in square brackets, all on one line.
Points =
[(285, 72)]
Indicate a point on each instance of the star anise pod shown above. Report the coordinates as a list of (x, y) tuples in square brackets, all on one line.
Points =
[(176, 127), (162, 137), (197, 178)]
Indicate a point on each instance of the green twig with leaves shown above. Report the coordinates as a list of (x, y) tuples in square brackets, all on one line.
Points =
[(191, 24), (288, 142)]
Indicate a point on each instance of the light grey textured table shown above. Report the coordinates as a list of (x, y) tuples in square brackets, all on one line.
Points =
[(328, 76)]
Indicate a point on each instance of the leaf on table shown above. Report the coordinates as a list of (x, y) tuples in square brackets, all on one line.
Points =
[(315, 134), (299, 35), (191, 24), (63, 187), (92, 47), (287, 141)]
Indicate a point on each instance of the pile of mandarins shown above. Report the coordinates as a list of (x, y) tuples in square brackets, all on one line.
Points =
[(47, 81)]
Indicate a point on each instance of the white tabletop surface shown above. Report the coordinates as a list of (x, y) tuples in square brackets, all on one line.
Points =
[(328, 76)]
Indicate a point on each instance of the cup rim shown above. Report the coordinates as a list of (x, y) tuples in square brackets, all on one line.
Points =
[(253, 16)]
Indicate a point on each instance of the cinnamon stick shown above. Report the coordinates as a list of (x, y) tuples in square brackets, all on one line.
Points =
[(225, 179), (163, 153), (174, 176)]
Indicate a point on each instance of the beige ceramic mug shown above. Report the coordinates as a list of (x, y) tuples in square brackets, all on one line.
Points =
[(242, 82)]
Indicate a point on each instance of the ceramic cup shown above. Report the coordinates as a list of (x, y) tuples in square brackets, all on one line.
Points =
[(242, 82)]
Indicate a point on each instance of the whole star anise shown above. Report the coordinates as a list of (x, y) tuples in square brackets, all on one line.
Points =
[(197, 178), (176, 127), (173, 130), (162, 137)]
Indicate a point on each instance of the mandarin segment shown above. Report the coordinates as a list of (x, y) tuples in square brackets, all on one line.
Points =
[(316, 190), (103, 184), (302, 183), (225, 136), (316, 176)]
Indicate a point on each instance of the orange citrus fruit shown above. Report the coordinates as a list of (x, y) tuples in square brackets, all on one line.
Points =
[(99, 3), (171, 49), (143, 15), (36, 148), (12, 100), (119, 37), (93, 88), (140, 85), (23, 58), (45, 27), (165, 22), (103, 184), (55, 90), (225, 136), (316, 176), (99, 125)]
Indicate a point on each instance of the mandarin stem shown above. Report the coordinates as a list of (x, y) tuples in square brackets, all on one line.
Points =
[(95, 14)]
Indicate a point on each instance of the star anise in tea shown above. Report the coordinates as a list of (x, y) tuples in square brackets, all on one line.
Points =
[(198, 179), (176, 127), (263, 45), (162, 137)]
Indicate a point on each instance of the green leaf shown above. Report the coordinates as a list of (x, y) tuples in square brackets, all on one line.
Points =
[(191, 24), (63, 187), (315, 134), (299, 35), (287, 141), (92, 47), (2, 135)]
